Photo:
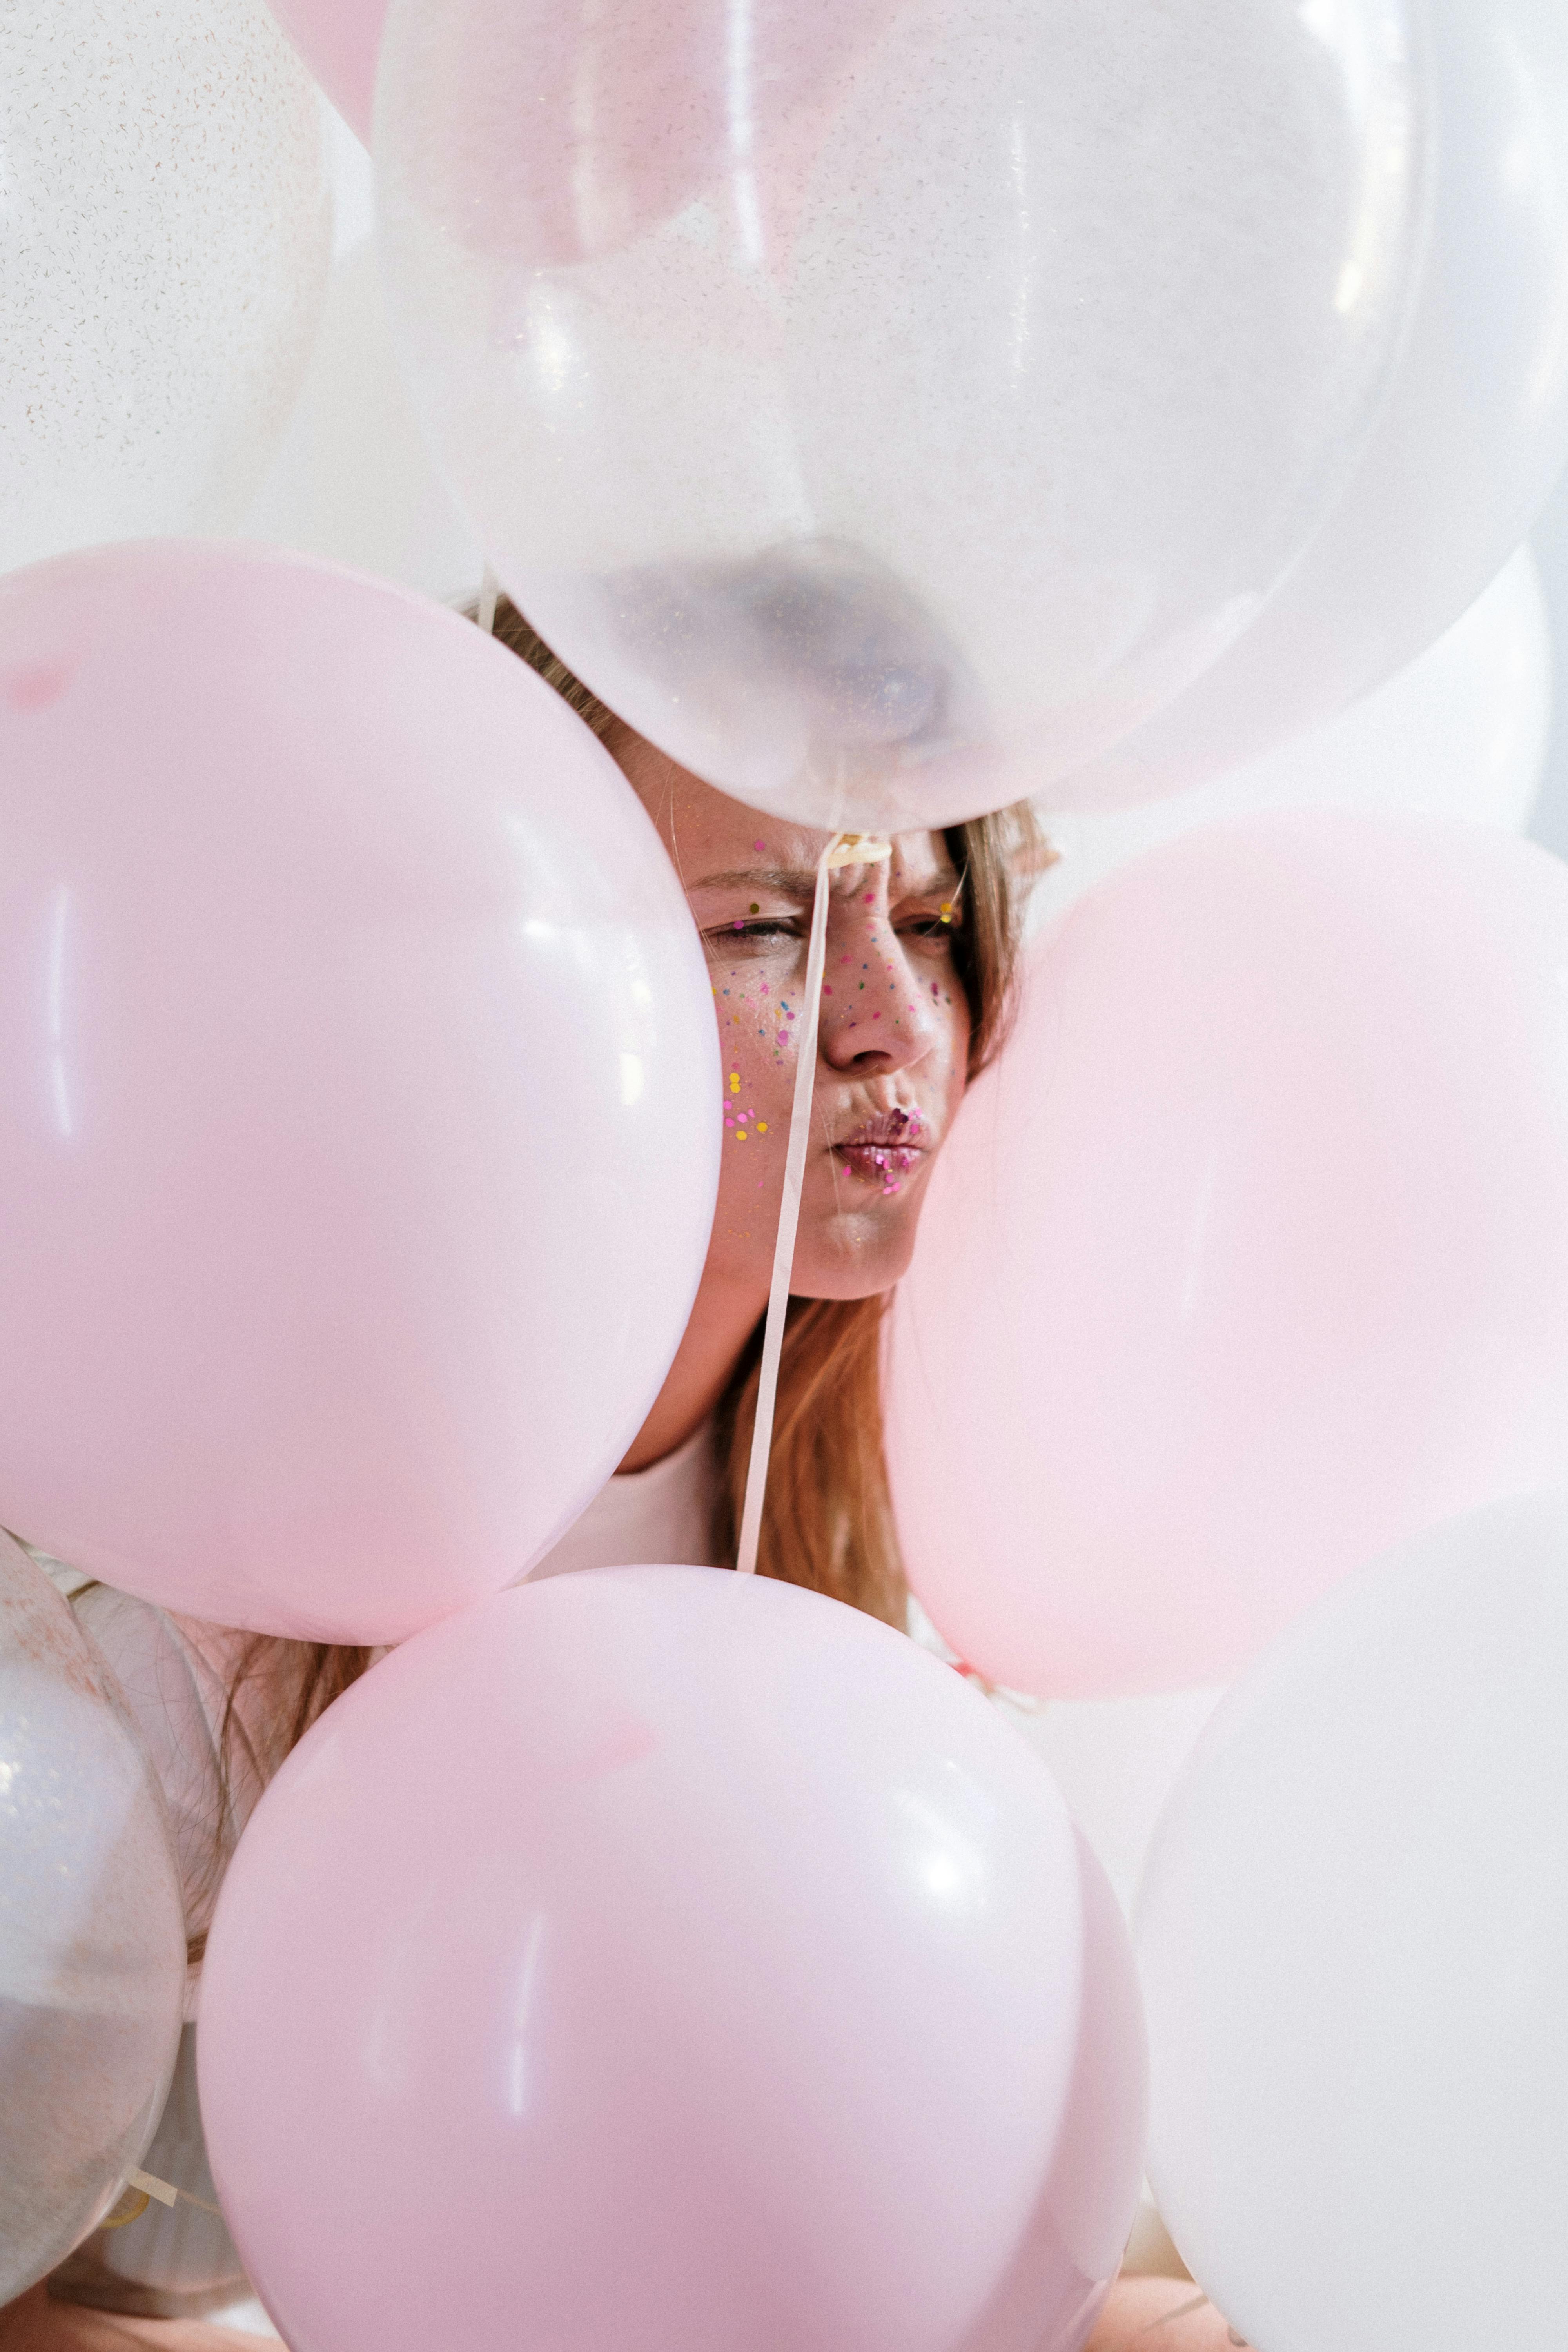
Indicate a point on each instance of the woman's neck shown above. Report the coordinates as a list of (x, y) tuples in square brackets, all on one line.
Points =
[(723, 1318)]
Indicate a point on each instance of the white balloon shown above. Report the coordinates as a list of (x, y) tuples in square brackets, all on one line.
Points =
[(1354, 1941), (1473, 435), (1462, 732), (883, 405), (1548, 544), (92, 1942), (351, 479), (166, 236)]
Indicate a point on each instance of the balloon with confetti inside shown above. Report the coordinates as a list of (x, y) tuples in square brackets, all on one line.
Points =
[(92, 1939)]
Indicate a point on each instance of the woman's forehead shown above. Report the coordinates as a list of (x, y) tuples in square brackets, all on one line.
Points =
[(720, 843)]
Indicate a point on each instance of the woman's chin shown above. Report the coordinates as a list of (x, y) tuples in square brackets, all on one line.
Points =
[(857, 1248)]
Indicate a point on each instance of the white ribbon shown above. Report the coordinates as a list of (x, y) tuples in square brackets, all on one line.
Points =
[(844, 849)]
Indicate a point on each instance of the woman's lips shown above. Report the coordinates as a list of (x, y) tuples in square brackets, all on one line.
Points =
[(885, 1151)]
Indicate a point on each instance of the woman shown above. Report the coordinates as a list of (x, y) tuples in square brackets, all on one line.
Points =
[(920, 956)]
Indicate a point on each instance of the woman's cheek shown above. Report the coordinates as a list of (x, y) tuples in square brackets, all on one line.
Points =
[(757, 1026)]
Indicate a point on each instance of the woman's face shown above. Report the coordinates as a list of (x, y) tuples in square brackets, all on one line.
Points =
[(892, 1044)]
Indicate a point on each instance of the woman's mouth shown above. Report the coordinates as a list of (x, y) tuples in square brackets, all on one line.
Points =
[(886, 1150)]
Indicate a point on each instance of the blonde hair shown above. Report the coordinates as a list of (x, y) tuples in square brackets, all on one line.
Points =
[(828, 1523)]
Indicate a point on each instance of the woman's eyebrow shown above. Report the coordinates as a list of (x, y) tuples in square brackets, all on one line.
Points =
[(927, 884), (791, 881)]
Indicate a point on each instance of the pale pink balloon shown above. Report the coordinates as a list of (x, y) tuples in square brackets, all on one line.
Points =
[(658, 1957), (1250, 1256), (358, 1093), (339, 41)]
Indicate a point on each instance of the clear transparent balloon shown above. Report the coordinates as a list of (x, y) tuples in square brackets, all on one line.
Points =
[(338, 40), (1473, 435), (1462, 731), (884, 408), (167, 231), (92, 1950)]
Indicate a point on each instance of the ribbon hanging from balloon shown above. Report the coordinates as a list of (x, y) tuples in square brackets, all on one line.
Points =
[(141, 2188), (843, 849)]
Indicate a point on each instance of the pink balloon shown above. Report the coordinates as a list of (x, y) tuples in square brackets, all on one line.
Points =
[(1249, 1258), (358, 1088), (339, 41), (656, 1957)]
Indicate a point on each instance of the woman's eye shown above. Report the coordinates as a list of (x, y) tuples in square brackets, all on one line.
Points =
[(939, 930), (769, 929)]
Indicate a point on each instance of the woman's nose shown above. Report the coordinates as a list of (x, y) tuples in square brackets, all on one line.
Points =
[(877, 1016)]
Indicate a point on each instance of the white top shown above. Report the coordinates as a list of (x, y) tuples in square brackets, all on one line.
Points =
[(657, 1518)]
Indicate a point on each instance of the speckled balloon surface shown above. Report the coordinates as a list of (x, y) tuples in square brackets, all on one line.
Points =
[(164, 237), (92, 1955), (885, 404)]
